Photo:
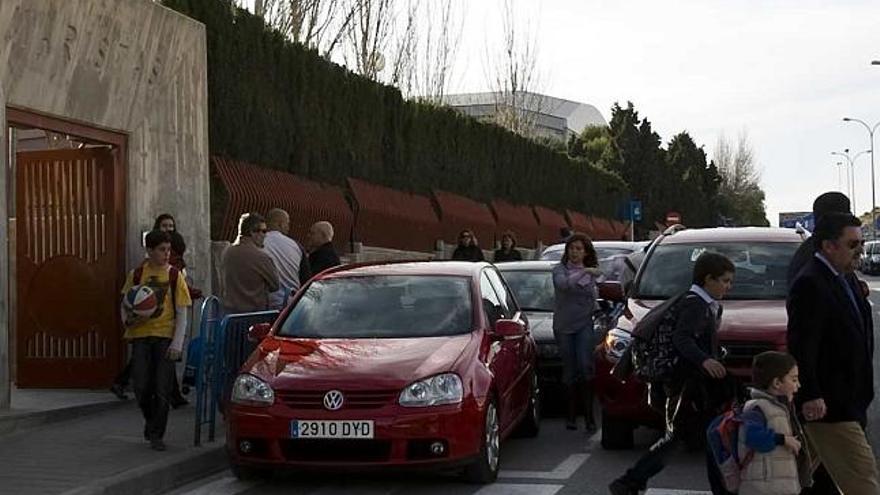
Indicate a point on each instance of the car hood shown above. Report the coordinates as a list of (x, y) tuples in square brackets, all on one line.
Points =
[(741, 320), (541, 325), (376, 363)]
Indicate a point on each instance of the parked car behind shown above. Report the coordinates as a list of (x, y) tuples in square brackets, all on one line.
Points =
[(394, 364), (754, 318), (604, 249), (871, 258)]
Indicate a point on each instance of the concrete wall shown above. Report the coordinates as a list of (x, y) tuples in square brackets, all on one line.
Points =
[(130, 66)]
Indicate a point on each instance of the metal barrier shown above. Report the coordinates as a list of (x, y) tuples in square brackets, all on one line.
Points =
[(224, 348)]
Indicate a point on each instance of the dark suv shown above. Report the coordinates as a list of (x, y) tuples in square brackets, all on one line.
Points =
[(754, 312)]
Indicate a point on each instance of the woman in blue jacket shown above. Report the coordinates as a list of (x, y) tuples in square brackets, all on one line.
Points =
[(574, 281)]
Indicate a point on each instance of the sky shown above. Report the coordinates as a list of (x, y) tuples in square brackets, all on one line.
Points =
[(784, 72)]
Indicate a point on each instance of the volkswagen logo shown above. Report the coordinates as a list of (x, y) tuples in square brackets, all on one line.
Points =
[(333, 400)]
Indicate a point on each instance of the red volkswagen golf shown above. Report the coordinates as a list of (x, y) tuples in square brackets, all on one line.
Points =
[(424, 364)]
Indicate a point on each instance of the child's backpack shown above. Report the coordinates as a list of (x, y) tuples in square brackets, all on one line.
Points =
[(722, 440), (653, 354)]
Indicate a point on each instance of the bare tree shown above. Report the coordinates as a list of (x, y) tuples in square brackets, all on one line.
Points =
[(412, 45), (317, 24), (513, 74), (368, 36), (740, 192)]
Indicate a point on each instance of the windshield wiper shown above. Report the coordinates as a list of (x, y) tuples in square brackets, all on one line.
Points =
[(536, 310)]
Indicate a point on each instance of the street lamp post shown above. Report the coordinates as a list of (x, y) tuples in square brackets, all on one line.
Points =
[(873, 183), (840, 168), (851, 161)]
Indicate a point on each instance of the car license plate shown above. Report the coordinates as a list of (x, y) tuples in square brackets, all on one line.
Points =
[(331, 429)]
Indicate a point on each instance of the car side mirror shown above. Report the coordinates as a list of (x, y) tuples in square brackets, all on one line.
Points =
[(258, 332), (509, 328), (612, 291)]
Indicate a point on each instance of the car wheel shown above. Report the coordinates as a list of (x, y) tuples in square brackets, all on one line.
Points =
[(531, 422), (485, 468), (250, 473), (616, 434)]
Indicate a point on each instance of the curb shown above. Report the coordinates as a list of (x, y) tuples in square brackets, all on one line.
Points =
[(29, 420), (160, 477)]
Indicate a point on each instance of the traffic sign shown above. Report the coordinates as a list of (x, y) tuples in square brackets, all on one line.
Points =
[(635, 211)]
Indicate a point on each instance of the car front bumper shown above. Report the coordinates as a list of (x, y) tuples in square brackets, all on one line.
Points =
[(402, 437)]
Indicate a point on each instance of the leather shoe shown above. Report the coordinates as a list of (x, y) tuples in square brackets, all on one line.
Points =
[(158, 444)]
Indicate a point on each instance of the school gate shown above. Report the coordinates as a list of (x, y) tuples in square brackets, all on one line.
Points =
[(67, 257)]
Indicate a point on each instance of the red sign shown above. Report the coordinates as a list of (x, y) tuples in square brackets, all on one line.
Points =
[(672, 218)]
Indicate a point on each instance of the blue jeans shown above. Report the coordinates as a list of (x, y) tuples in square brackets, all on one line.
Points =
[(576, 350)]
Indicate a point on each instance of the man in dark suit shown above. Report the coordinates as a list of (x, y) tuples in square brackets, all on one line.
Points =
[(830, 333), (830, 202)]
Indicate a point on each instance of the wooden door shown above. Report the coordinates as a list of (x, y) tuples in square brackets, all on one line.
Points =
[(67, 254)]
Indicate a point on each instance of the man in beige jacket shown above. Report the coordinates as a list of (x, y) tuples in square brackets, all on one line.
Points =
[(249, 275)]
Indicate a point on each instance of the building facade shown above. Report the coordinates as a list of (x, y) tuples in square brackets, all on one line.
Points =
[(104, 111)]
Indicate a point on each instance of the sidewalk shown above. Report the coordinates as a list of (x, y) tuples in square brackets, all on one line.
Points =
[(104, 452)]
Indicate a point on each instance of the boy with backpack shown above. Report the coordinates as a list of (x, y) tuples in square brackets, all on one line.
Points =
[(157, 339), (694, 351), (772, 455)]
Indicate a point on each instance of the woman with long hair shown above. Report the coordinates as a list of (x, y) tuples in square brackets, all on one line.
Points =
[(468, 249), (574, 281), (508, 251)]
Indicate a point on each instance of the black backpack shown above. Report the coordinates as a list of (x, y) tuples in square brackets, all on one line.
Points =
[(653, 354)]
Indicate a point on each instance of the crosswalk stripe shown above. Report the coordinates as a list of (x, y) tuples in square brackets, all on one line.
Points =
[(667, 491), (228, 485), (515, 489), (561, 472)]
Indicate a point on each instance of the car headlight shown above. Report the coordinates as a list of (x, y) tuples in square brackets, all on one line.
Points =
[(434, 391), (616, 343), (251, 391)]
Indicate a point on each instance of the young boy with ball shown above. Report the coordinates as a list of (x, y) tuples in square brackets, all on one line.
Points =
[(156, 335)]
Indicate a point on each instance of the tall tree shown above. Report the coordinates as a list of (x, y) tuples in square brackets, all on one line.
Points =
[(694, 184), (741, 196), (513, 73)]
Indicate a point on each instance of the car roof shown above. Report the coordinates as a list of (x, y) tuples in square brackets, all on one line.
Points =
[(634, 245), (520, 266), (446, 268), (733, 234)]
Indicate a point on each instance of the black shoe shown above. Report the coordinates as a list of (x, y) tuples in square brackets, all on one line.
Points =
[(178, 402), (117, 390), (590, 426), (571, 424), (618, 487), (158, 444), (146, 434)]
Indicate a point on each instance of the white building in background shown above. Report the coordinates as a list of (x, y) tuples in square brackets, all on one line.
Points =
[(553, 117)]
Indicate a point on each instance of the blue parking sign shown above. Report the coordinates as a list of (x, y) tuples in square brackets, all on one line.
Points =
[(635, 211)]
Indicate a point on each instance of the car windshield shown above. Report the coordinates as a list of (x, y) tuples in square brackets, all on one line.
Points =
[(533, 289), (394, 306), (761, 269)]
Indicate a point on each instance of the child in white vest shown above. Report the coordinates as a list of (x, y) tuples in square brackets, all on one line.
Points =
[(771, 433)]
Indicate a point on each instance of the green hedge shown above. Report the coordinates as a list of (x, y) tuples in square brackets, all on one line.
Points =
[(278, 104)]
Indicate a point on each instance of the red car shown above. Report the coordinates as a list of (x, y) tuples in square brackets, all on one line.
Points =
[(754, 318), (422, 364)]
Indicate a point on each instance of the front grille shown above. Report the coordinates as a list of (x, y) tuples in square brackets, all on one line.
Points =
[(354, 399), (740, 353), (319, 450)]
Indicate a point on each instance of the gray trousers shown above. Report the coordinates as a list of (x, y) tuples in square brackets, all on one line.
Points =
[(153, 379)]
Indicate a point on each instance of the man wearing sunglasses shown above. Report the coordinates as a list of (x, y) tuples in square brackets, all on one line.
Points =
[(830, 333), (249, 275)]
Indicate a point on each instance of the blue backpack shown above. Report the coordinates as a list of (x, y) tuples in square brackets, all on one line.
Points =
[(722, 440)]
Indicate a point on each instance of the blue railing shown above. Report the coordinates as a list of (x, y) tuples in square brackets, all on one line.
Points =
[(224, 346)]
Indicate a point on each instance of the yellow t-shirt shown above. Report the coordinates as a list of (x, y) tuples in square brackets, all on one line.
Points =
[(161, 322)]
